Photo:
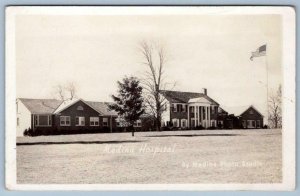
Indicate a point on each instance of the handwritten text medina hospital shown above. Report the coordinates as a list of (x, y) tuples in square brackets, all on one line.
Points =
[(145, 148)]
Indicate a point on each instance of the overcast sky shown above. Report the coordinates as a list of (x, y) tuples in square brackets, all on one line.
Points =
[(95, 51)]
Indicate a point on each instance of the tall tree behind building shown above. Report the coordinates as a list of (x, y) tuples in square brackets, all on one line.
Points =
[(154, 79), (65, 92), (275, 111)]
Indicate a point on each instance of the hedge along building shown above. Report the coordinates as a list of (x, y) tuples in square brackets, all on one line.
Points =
[(189, 109), (51, 116)]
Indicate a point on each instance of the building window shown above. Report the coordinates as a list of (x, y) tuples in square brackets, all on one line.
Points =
[(94, 121), (165, 106), (65, 121), (258, 124), (183, 108), (253, 123), (80, 121), (35, 120), (175, 122), (18, 121), (251, 112), (216, 109), (79, 107), (118, 124), (43, 120), (179, 108), (213, 123), (183, 123), (193, 122), (137, 123), (248, 123), (174, 107), (244, 123), (105, 122)]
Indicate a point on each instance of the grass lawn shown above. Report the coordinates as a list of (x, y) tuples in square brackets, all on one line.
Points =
[(207, 156)]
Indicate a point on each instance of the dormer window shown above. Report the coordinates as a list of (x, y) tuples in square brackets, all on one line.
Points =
[(80, 108)]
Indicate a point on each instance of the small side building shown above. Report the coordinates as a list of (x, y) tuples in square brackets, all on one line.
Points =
[(251, 118)]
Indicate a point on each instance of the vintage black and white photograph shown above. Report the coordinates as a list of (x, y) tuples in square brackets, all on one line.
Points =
[(150, 98)]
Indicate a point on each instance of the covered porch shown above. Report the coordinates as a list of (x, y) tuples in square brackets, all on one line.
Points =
[(199, 113)]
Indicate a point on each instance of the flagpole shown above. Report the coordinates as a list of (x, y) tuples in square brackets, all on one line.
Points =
[(258, 53), (267, 86)]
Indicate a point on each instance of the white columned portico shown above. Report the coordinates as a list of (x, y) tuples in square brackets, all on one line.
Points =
[(201, 113)]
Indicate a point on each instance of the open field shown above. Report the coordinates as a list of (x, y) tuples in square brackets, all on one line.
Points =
[(207, 156)]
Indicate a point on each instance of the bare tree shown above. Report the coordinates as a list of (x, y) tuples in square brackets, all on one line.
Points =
[(65, 92), (60, 92), (153, 81), (274, 107), (71, 90)]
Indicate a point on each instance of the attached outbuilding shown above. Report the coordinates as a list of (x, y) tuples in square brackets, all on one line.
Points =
[(251, 118)]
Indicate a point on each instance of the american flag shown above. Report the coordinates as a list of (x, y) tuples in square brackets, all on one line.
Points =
[(261, 51)]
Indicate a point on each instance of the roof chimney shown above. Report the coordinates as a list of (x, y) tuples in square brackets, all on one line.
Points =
[(204, 91)]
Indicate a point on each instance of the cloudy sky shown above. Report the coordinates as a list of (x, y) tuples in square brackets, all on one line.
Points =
[(205, 51)]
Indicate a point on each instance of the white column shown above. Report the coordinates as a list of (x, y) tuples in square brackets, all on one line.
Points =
[(209, 116), (201, 112), (205, 117), (188, 116), (195, 115), (198, 116)]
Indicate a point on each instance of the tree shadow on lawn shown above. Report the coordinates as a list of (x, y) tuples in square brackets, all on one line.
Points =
[(79, 142), (193, 135)]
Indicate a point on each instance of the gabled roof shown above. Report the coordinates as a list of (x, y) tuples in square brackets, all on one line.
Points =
[(41, 106), (102, 107), (199, 100), (65, 104), (221, 110), (239, 110), (53, 106), (184, 97), (251, 106)]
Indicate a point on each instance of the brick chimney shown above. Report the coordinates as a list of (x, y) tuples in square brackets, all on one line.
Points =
[(204, 91)]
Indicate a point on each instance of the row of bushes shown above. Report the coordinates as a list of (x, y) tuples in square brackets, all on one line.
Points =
[(54, 131), (166, 128)]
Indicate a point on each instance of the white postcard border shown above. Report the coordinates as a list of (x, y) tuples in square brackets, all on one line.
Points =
[(289, 88)]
